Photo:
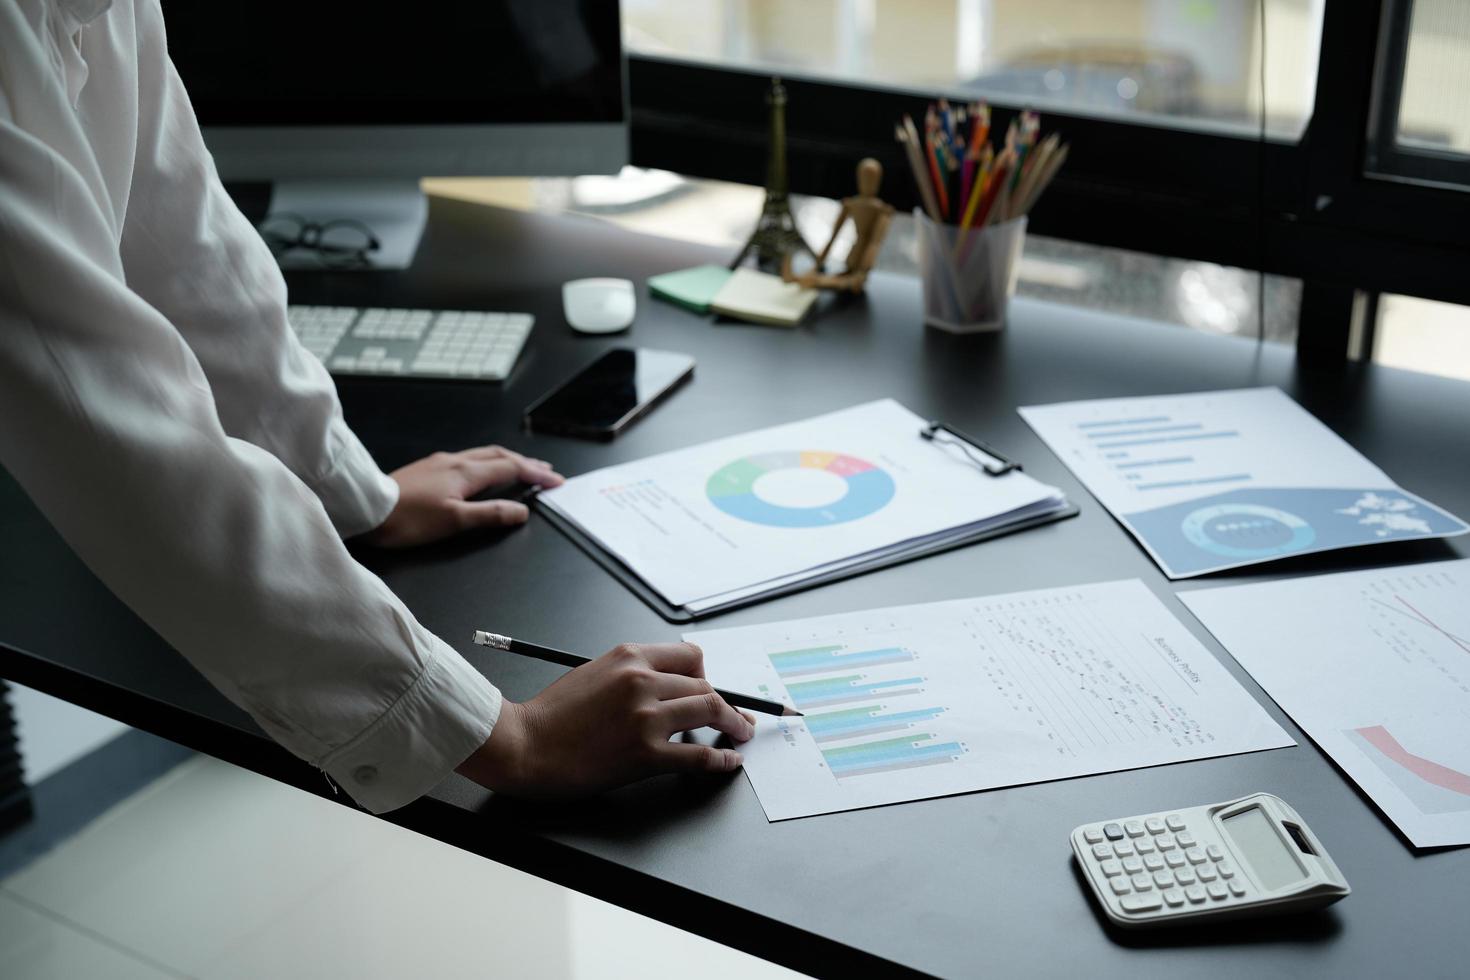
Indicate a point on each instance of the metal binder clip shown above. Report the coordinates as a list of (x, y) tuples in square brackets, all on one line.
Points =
[(997, 465)]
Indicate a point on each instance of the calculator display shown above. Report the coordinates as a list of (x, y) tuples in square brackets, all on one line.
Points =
[(1263, 848)]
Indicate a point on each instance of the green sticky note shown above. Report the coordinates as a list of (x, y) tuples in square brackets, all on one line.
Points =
[(692, 289)]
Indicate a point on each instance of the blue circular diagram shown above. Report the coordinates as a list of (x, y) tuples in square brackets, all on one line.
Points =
[(1247, 530), (732, 489)]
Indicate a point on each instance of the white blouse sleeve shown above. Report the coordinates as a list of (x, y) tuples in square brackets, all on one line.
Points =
[(110, 424), (190, 253)]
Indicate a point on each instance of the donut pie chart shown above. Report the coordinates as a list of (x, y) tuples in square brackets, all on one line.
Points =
[(736, 488), (1247, 530)]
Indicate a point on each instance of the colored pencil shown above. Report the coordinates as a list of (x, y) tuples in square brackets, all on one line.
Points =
[(915, 152)]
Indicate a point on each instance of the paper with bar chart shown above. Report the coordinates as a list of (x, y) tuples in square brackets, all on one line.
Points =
[(950, 697), (1375, 666), (743, 515), (1220, 479)]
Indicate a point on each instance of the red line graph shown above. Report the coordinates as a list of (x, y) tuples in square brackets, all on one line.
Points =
[(1424, 620)]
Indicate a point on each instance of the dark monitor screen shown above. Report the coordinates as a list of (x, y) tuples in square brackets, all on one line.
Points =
[(307, 63)]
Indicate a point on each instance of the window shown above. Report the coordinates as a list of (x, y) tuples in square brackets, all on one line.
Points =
[(1202, 296), (1357, 187), (1183, 62), (1423, 335), (1422, 129)]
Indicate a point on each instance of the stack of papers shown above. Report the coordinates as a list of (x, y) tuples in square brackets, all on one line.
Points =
[(1222, 479), (731, 521)]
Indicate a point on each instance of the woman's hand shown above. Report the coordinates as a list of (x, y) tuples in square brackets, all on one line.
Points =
[(610, 722), (434, 492)]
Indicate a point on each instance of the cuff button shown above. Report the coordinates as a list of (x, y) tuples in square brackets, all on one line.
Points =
[(365, 775)]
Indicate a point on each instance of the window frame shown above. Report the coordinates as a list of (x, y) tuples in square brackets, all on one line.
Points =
[(1387, 158), (1304, 207)]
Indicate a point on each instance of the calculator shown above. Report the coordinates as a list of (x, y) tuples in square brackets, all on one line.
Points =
[(1251, 856)]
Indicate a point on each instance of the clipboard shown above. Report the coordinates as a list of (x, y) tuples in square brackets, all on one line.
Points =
[(985, 457)]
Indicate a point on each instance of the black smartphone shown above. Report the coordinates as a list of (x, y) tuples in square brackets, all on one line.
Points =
[(610, 393)]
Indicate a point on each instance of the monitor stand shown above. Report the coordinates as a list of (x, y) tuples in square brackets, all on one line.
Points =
[(395, 210)]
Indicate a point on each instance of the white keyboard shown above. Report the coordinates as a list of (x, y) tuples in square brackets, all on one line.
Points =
[(412, 343)]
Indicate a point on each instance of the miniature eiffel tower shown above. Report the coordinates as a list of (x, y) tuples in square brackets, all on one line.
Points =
[(775, 234)]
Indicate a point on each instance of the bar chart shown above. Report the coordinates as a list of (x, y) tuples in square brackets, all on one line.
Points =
[(870, 719), (923, 701), (848, 689), (861, 740), (821, 660), (1145, 452), (890, 754)]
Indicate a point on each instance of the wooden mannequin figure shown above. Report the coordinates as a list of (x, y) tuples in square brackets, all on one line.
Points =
[(870, 219)]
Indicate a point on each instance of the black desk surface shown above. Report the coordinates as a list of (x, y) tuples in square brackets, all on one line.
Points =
[(981, 884)]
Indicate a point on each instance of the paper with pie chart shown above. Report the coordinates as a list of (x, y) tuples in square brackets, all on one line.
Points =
[(1220, 479), (737, 516), (1375, 666)]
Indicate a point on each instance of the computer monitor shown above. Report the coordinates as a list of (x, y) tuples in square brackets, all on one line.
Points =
[(345, 107)]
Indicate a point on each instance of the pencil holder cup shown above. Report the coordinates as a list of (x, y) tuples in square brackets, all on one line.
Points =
[(968, 278)]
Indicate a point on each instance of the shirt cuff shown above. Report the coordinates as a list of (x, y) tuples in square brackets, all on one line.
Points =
[(356, 494), (444, 716)]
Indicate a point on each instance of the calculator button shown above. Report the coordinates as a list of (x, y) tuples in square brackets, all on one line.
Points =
[(1174, 859), (1102, 851), (1173, 897), (1112, 831), (1215, 852), (1092, 835), (1174, 822), (1164, 842), (1144, 845), (1154, 825), (1226, 869), (1141, 903), (1196, 856), (1111, 868), (1123, 848), (1185, 876), (1194, 893), (1153, 862), (1185, 840), (1207, 873), (1163, 879), (1132, 865), (1134, 828), (1142, 883), (1236, 888), (1120, 886), (1217, 891)]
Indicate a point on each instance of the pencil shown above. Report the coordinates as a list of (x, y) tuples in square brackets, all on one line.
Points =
[(931, 145), (1045, 177), (510, 645), (976, 192), (1031, 170), (981, 132), (992, 196), (971, 158), (999, 177), (906, 135)]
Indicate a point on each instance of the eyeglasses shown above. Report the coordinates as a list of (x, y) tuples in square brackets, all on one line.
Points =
[(341, 243), (948, 435)]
